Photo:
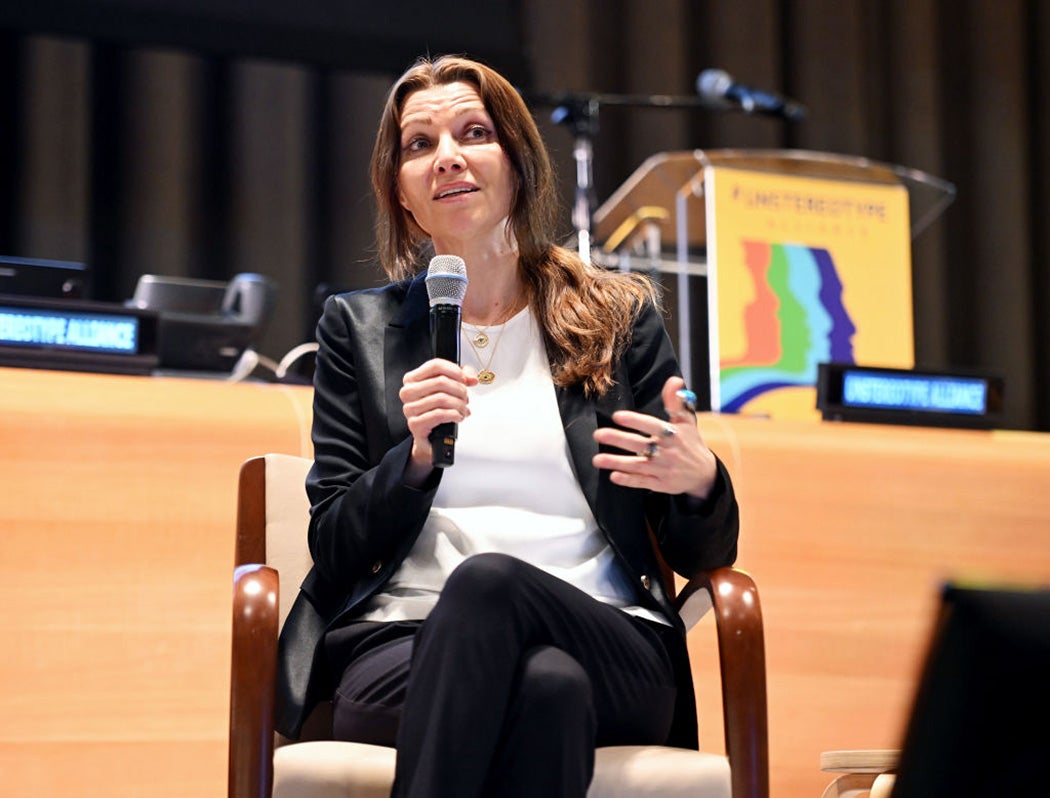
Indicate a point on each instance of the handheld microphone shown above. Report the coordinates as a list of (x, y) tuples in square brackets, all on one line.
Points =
[(718, 88), (446, 286)]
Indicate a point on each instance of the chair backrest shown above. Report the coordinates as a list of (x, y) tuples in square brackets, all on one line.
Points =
[(275, 485), (273, 515)]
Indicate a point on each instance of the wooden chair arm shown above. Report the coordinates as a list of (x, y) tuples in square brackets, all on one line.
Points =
[(252, 679), (741, 650)]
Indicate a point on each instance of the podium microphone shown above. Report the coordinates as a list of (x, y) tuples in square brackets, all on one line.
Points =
[(717, 87), (446, 286)]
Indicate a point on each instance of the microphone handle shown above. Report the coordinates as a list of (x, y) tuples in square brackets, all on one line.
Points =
[(444, 337)]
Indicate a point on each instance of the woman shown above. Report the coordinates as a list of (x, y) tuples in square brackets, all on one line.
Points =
[(509, 607)]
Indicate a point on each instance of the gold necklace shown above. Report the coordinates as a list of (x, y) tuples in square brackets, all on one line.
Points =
[(480, 338), (486, 376)]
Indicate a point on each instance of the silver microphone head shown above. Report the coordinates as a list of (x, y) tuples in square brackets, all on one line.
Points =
[(713, 84), (446, 280)]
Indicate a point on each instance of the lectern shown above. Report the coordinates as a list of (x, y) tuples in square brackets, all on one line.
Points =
[(804, 257)]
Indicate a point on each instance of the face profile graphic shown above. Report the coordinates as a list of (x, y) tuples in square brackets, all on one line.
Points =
[(840, 336), (796, 320)]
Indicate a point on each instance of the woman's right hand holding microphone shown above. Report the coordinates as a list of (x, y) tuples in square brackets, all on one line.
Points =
[(433, 394)]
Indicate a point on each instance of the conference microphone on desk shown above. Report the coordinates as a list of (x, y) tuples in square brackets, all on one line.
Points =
[(446, 286), (718, 88)]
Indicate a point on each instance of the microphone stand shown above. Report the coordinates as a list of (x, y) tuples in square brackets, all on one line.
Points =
[(579, 112)]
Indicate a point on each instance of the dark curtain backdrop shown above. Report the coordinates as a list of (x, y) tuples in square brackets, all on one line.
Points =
[(139, 158)]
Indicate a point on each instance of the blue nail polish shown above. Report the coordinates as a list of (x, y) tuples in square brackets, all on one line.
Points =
[(688, 399)]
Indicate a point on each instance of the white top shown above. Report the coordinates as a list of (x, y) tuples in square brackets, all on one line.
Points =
[(511, 489)]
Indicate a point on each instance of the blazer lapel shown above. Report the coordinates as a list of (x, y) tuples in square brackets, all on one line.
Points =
[(579, 419), (406, 346)]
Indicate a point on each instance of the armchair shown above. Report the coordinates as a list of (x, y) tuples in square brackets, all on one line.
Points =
[(272, 515)]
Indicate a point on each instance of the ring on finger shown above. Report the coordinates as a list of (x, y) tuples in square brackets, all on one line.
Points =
[(651, 450), (688, 400), (668, 431)]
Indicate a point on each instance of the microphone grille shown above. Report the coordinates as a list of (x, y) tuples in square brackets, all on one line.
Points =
[(713, 84), (446, 280)]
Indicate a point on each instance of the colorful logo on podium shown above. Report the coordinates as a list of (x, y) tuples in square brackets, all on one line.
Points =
[(796, 319)]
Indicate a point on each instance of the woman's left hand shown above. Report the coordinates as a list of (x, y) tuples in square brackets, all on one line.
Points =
[(663, 456)]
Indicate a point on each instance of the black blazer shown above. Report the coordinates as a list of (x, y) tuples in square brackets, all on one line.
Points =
[(364, 520)]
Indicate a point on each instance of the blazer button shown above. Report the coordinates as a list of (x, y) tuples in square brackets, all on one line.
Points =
[(377, 566), (645, 581)]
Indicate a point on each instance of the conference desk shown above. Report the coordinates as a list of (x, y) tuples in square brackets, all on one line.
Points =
[(849, 531), (116, 558), (116, 552)]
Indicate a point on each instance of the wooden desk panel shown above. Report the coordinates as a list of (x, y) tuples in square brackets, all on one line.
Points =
[(116, 549), (116, 556), (849, 531)]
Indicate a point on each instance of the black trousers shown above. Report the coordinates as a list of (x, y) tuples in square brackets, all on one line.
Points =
[(507, 687)]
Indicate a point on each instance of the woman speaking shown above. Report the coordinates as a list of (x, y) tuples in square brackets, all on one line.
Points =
[(497, 619)]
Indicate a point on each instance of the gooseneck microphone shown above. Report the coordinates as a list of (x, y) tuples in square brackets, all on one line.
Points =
[(717, 87), (446, 286)]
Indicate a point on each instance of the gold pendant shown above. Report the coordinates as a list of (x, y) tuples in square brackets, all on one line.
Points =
[(485, 377), (481, 340)]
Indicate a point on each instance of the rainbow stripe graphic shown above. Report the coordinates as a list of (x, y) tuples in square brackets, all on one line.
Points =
[(796, 319)]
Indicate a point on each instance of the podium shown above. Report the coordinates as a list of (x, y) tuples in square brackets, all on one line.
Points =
[(822, 222)]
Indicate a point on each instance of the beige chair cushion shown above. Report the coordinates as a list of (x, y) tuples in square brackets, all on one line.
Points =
[(329, 769), (354, 770), (635, 771)]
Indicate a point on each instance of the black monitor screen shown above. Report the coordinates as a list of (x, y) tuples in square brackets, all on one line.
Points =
[(73, 330), (850, 392), (978, 724), (50, 279)]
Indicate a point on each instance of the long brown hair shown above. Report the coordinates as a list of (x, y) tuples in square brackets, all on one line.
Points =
[(586, 313)]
